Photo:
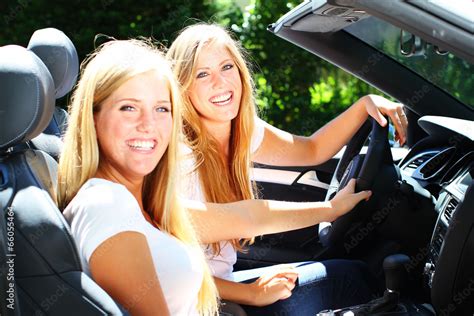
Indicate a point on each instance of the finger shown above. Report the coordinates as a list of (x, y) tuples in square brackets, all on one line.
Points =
[(289, 275), (400, 121), (350, 186), (286, 294), (281, 269), (363, 195), (290, 286), (378, 116), (286, 285), (281, 285), (403, 116), (285, 297), (352, 183), (403, 120), (292, 277), (398, 125)]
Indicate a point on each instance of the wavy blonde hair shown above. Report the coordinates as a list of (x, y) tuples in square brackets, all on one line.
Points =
[(222, 181), (104, 71)]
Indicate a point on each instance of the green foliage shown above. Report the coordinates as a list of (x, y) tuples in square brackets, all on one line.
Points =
[(296, 90), (81, 20)]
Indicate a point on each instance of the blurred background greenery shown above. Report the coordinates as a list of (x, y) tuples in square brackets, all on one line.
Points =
[(296, 90)]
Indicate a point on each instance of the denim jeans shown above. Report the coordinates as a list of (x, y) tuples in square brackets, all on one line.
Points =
[(322, 285)]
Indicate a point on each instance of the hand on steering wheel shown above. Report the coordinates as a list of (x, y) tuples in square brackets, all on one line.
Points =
[(346, 199), (375, 171)]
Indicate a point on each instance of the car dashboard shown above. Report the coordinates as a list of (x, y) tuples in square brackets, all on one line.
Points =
[(443, 164)]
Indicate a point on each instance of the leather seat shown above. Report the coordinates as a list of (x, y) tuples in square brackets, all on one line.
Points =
[(59, 55), (35, 241)]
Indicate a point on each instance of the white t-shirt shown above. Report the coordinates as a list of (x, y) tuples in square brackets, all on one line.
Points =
[(222, 265), (102, 209)]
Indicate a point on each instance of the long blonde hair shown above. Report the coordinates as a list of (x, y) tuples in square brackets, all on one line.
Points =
[(104, 71), (222, 181)]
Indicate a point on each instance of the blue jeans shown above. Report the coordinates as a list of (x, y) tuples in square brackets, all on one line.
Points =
[(322, 285)]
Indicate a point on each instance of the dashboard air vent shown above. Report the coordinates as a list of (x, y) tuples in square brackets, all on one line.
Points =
[(437, 242), (418, 161), (437, 162), (449, 210)]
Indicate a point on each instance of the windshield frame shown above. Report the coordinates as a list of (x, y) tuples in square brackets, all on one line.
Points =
[(447, 72)]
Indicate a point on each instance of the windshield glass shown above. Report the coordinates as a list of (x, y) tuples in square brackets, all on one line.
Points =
[(457, 12), (447, 71)]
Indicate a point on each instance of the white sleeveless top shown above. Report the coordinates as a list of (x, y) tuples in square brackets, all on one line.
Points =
[(221, 265), (102, 209)]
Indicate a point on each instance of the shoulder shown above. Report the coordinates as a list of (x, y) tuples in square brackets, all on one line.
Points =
[(100, 199), (100, 193), (187, 161), (100, 210), (258, 134)]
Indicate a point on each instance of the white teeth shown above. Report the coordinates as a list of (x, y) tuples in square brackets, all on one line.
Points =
[(141, 144), (221, 98)]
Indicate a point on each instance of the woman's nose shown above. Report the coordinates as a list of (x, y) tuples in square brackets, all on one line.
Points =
[(147, 121), (217, 80)]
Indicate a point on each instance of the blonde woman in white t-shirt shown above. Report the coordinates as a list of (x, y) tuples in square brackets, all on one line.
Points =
[(224, 135), (116, 177), (118, 180)]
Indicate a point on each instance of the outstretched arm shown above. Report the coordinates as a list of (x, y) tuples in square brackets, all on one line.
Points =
[(284, 149), (248, 218)]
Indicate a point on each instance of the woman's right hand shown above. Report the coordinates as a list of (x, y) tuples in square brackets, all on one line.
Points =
[(273, 286), (345, 200)]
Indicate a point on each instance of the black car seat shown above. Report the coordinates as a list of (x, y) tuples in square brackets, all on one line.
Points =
[(36, 246), (59, 55)]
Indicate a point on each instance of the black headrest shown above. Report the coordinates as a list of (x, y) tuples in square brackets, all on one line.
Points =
[(60, 56), (26, 96)]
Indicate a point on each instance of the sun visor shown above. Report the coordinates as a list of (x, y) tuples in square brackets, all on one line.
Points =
[(325, 18)]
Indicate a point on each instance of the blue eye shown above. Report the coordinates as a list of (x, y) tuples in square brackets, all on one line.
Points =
[(163, 109)]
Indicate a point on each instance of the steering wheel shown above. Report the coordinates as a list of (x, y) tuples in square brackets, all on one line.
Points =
[(377, 163)]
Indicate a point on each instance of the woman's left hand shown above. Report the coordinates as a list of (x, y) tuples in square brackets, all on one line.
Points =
[(377, 106)]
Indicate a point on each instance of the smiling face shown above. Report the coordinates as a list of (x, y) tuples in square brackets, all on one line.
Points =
[(217, 88), (134, 126)]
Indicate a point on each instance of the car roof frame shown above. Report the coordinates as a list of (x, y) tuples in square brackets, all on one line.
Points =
[(412, 17), (422, 97)]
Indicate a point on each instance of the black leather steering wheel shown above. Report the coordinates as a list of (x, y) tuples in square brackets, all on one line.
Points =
[(364, 169)]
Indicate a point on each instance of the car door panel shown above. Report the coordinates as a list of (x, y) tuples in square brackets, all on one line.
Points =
[(299, 184)]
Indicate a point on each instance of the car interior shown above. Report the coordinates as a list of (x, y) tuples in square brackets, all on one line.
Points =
[(416, 232), (42, 274)]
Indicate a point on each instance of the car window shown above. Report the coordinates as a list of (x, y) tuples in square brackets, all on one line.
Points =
[(443, 69)]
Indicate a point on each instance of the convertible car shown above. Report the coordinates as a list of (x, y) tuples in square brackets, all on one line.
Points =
[(416, 233)]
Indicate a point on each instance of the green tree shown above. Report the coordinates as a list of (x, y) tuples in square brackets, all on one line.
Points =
[(297, 91), (82, 20)]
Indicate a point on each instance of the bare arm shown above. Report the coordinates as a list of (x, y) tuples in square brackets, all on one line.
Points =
[(244, 219), (274, 285), (249, 218), (240, 293), (122, 265), (284, 149)]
